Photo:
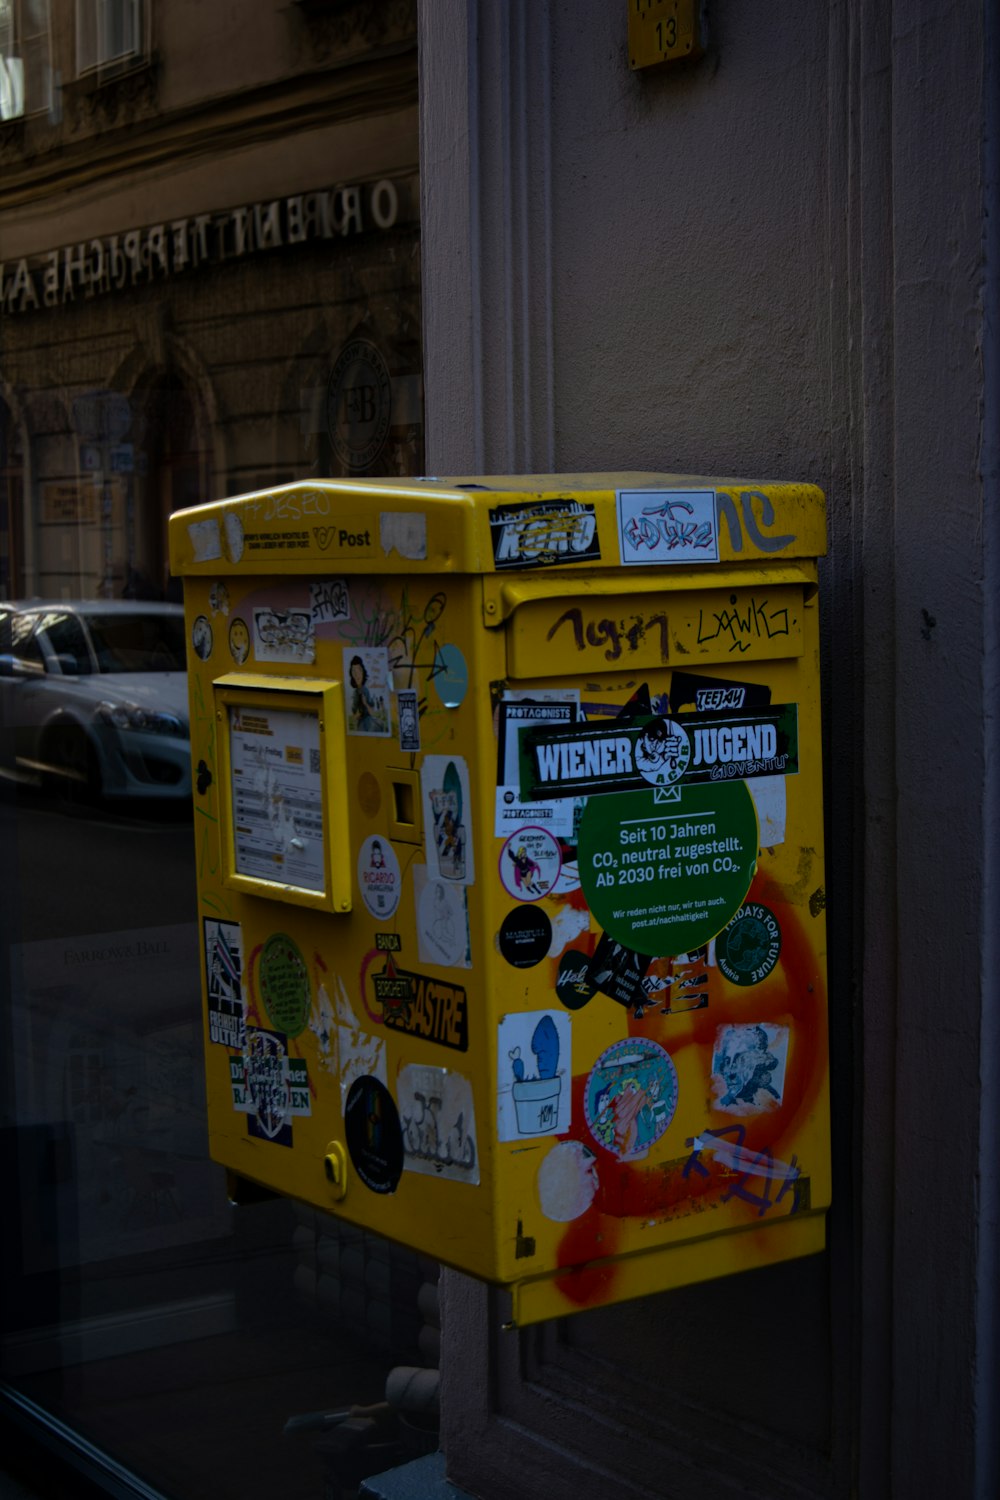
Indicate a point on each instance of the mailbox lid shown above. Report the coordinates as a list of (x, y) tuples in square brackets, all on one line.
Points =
[(500, 524)]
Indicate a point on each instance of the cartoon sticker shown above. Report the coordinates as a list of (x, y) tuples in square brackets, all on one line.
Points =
[(525, 936), (408, 716), (218, 599), (630, 1097), (378, 877), (438, 1122), (663, 877), (567, 1181), (534, 1066), (444, 784), (268, 1086), (201, 638), (374, 1137), (284, 984), (284, 635), (450, 676), (239, 640), (667, 526), (530, 862), (749, 948), (366, 685), (442, 921), (223, 972), (748, 1068)]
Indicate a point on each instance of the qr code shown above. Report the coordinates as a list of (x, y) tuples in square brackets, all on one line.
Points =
[(314, 762)]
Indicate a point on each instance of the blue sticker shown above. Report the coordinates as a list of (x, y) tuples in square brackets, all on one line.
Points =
[(450, 676)]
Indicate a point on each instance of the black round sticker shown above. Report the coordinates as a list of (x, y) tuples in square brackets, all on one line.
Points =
[(525, 936), (374, 1137), (574, 985)]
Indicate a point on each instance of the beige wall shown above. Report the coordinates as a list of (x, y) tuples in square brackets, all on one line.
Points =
[(769, 263)]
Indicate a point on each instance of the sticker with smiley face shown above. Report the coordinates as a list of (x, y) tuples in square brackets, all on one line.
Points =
[(239, 641)]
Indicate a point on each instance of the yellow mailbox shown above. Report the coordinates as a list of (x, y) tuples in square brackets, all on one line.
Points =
[(509, 836)]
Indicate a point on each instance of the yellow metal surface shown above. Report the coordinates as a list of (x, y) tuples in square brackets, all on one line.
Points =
[(571, 1034), (662, 31)]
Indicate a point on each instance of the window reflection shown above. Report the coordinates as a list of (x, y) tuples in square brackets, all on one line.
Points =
[(222, 294)]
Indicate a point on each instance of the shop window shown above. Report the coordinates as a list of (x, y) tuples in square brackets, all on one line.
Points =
[(25, 58), (110, 32)]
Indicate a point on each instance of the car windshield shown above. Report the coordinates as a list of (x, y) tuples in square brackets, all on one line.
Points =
[(138, 642)]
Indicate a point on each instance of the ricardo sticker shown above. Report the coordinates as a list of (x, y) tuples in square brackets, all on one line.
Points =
[(379, 878)]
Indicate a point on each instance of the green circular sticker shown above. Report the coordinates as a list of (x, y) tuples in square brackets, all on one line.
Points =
[(748, 949), (284, 984), (663, 876)]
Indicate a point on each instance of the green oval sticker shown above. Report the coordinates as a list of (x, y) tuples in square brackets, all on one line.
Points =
[(663, 876), (284, 984)]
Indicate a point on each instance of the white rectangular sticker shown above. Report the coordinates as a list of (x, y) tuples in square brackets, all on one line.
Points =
[(366, 685), (438, 1119), (667, 526), (444, 785), (284, 635), (534, 1075), (277, 804), (517, 711)]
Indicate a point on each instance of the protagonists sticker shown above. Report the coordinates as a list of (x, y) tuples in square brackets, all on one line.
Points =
[(379, 879), (630, 1097), (224, 980), (374, 1136), (438, 1122), (530, 861), (516, 711), (748, 1068), (533, 1067), (366, 685)]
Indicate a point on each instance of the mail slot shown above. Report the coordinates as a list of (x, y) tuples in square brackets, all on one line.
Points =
[(509, 844)]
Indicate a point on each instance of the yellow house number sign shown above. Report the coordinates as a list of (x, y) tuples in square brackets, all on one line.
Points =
[(661, 31)]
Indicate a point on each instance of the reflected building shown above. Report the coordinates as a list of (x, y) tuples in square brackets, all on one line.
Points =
[(209, 270)]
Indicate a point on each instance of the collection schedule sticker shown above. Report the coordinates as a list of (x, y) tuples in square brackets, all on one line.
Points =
[(277, 795), (662, 877)]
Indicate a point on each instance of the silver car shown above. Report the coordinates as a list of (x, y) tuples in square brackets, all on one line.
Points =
[(93, 698)]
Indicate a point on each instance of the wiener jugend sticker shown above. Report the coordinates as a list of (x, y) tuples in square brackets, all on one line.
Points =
[(656, 751)]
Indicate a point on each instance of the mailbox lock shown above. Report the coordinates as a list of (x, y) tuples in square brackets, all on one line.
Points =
[(335, 1167)]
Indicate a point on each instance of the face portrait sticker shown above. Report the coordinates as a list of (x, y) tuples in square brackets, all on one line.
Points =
[(748, 950), (201, 638), (366, 686), (378, 877), (239, 641), (630, 1097), (530, 861), (748, 1068), (662, 752)]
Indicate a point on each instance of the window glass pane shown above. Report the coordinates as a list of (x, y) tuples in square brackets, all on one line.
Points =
[(228, 321)]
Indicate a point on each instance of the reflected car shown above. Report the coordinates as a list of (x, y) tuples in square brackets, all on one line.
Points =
[(93, 698)]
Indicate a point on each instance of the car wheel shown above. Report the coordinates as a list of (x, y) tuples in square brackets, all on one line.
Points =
[(71, 764)]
